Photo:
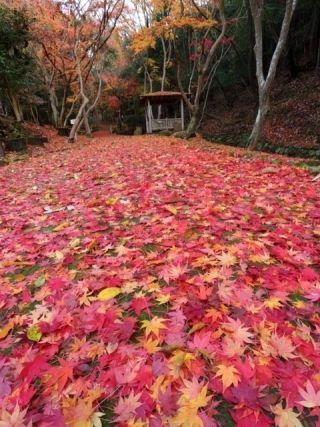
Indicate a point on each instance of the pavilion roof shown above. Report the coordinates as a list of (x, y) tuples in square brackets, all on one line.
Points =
[(161, 96)]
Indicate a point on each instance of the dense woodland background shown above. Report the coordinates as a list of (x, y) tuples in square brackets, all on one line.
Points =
[(91, 61)]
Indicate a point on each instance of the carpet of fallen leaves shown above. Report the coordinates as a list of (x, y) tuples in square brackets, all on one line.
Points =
[(145, 282)]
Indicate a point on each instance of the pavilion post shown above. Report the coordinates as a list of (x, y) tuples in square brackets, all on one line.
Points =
[(182, 114), (149, 115), (146, 112)]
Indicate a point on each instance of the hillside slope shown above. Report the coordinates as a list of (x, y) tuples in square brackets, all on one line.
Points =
[(294, 119)]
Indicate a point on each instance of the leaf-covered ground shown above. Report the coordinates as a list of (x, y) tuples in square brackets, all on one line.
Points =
[(145, 282)]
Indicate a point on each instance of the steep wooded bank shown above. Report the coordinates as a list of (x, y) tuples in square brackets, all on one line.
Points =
[(292, 125)]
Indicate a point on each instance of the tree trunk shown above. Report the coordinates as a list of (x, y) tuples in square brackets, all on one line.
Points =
[(34, 115), (53, 105), (15, 103), (314, 32), (65, 123), (265, 84), (63, 106), (202, 71), (86, 124), (85, 100), (77, 122), (193, 124), (258, 125), (2, 153), (52, 97)]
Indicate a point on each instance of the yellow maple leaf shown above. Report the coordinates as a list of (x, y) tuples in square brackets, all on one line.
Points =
[(286, 417), (196, 327), (6, 329), (262, 258), (151, 345), (58, 255), (153, 326), (229, 375), (108, 293), (112, 201), (273, 303), (195, 394), (86, 299), (75, 243), (163, 299), (61, 226), (187, 416), (34, 333), (316, 232), (227, 259), (129, 287), (122, 250), (213, 314), (298, 304), (211, 275), (178, 360), (172, 209), (160, 384)]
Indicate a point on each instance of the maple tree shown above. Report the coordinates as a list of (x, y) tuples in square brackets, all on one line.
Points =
[(53, 35), (158, 284), (170, 22), (94, 23), (71, 43)]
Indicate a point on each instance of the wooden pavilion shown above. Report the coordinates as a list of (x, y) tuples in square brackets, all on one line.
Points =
[(164, 111)]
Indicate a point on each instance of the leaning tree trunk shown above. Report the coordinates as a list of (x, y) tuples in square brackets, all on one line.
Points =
[(78, 119), (85, 100), (87, 111), (194, 107), (86, 124), (53, 105), (69, 114), (52, 97), (15, 104), (265, 83), (193, 123)]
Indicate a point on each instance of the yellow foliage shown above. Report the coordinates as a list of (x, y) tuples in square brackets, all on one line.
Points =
[(143, 40), (6, 329), (178, 360), (177, 15), (229, 376), (286, 417), (153, 326), (108, 293), (34, 333)]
